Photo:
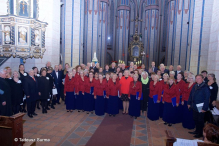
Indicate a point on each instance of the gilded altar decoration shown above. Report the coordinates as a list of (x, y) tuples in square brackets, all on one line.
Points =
[(22, 35), (135, 48)]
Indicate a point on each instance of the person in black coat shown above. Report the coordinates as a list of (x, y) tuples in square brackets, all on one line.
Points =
[(212, 84), (31, 92), (145, 91), (57, 76), (205, 74), (16, 91), (63, 77), (113, 67), (23, 75), (36, 76), (200, 94), (178, 70), (51, 86), (5, 97), (44, 89), (153, 67)]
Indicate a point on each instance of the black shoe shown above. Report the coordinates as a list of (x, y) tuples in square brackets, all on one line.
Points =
[(30, 116), (34, 114), (24, 111), (67, 111), (43, 111), (110, 115), (82, 110), (198, 136), (169, 125), (79, 111), (114, 115), (92, 112), (194, 132), (47, 108), (52, 107), (165, 123), (38, 107), (87, 113)]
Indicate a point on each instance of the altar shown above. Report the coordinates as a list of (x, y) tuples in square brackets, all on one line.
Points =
[(136, 49)]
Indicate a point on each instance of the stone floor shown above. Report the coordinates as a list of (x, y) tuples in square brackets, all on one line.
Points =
[(75, 129)]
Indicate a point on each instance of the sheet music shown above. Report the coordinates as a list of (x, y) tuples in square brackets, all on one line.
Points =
[(186, 142), (54, 91)]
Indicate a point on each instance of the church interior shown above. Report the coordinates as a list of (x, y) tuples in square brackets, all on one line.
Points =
[(172, 32)]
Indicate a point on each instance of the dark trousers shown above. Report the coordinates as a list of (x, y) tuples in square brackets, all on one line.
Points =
[(62, 93), (38, 103), (57, 97), (44, 104), (24, 104), (16, 109), (31, 107), (199, 121)]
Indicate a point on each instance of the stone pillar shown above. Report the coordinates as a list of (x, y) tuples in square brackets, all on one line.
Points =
[(213, 52), (73, 33), (150, 31), (200, 35), (122, 26)]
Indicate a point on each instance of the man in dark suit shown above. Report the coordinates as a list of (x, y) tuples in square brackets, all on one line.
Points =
[(200, 94), (153, 67), (57, 76), (178, 70), (62, 86), (31, 92)]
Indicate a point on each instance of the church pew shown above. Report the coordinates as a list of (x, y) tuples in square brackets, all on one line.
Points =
[(171, 139), (11, 128)]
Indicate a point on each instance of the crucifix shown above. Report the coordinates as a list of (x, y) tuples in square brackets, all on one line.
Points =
[(23, 4), (136, 20)]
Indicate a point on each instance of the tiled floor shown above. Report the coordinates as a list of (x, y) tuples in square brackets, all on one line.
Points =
[(75, 129)]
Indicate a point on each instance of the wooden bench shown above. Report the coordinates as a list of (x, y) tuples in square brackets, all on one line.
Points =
[(11, 128)]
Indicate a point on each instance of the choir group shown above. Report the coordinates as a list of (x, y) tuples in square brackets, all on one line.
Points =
[(167, 94)]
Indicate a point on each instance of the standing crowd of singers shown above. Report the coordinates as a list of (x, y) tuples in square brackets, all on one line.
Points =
[(135, 91)]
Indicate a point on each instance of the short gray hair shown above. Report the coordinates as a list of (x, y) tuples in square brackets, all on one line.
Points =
[(191, 76), (17, 73), (2, 70), (144, 73), (172, 72), (30, 70)]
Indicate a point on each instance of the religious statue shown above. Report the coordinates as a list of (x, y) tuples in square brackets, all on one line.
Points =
[(22, 35), (37, 37), (95, 58), (7, 34)]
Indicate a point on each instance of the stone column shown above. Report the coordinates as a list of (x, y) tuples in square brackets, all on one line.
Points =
[(73, 33)]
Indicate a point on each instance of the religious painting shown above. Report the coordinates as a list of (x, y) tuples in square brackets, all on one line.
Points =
[(37, 37), (23, 7), (7, 34), (135, 51), (22, 35)]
